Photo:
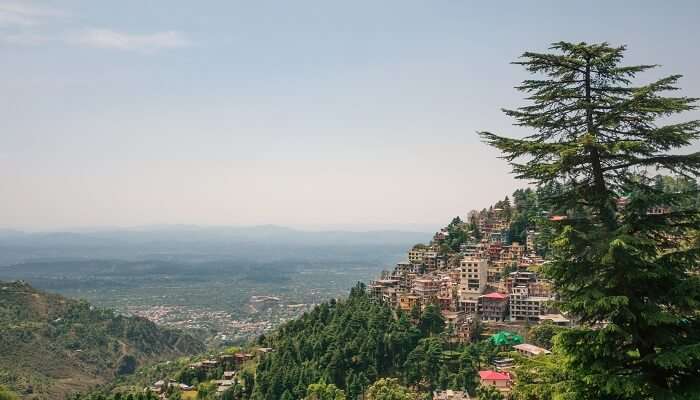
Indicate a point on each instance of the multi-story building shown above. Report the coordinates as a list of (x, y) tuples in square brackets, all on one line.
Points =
[(493, 306), (415, 255), (473, 276), (495, 272), (385, 290), (430, 260), (530, 242), (403, 272), (517, 251), (494, 251), (468, 304), (453, 318), (520, 278), (426, 288), (408, 300), (426, 256), (498, 235), (523, 306), (404, 267), (459, 326), (441, 263), (447, 295)]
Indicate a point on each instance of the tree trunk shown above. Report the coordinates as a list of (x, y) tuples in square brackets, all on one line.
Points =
[(598, 177)]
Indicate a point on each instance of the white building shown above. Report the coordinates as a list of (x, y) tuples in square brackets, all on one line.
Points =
[(472, 277)]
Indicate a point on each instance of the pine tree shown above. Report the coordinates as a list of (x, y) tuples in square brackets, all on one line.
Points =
[(627, 275)]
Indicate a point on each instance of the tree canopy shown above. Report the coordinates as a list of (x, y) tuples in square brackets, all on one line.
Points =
[(628, 274)]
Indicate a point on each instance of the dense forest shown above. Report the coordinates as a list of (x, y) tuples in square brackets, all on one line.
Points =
[(352, 343)]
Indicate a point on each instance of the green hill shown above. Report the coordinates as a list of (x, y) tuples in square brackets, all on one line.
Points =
[(51, 345)]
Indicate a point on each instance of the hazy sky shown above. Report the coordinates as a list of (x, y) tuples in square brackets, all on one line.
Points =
[(301, 113)]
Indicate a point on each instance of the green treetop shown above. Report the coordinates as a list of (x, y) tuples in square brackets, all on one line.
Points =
[(389, 389), (627, 274), (323, 391), (6, 394)]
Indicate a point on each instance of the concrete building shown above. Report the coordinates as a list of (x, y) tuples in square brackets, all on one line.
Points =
[(385, 291), (408, 300), (520, 278), (426, 288), (524, 307), (453, 318), (473, 276), (530, 242), (468, 305), (493, 307)]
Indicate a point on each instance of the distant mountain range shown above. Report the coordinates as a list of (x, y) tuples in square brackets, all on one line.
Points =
[(51, 345), (251, 242)]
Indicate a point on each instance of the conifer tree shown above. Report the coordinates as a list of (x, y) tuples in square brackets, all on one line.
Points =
[(627, 275)]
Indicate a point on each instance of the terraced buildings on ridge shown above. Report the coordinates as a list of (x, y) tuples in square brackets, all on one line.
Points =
[(489, 277)]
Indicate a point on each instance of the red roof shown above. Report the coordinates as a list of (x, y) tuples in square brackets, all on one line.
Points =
[(495, 296), (494, 376), (558, 218)]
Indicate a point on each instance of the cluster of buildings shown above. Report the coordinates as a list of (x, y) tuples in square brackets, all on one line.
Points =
[(227, 365), (161, 387), (489, 279), (223, 360), (228, 327)]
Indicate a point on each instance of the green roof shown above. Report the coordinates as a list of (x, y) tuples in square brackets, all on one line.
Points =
[(505, 338)]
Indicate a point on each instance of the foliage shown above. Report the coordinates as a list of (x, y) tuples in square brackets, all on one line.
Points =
[(323, 391), (7, 394), (612, 261), (345, 343), (205, 390), (541, 378), (389, 389), (431, 321), (352, 343), (424, 362), (458, 233), (542, 334), (488, 392), (45, 335)]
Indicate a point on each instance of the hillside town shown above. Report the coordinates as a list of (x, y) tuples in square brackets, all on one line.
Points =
[(484, 283), (491, 278)]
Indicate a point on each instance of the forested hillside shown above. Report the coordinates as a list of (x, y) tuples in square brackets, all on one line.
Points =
[(51, 345), (352, 343)]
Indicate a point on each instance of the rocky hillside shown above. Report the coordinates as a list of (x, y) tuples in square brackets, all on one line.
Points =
[(51, 346)]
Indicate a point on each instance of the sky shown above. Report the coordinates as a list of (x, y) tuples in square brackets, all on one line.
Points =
[(311, 114)]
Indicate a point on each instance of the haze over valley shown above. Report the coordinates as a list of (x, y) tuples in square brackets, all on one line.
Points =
[(226, 283)]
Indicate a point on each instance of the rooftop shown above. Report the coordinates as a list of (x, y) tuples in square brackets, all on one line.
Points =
[(557, 318), (531, 348), (494, 376), (495, 296)]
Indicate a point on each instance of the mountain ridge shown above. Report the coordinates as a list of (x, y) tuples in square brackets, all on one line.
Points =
[(56, 345)]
